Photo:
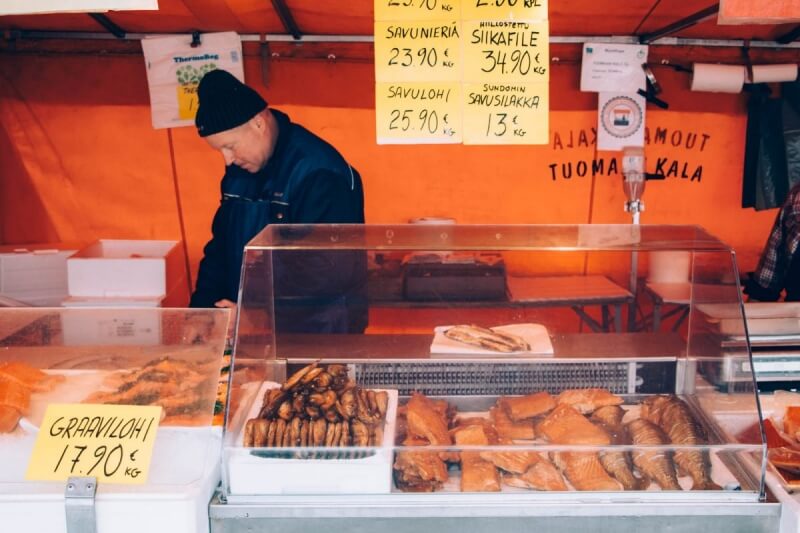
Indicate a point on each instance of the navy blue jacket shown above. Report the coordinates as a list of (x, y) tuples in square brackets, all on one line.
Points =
[(305, 181)]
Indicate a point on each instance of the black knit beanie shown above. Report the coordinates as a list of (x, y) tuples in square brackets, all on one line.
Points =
[(224, 103)]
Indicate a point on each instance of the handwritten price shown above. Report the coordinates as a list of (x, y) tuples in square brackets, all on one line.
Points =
[(113, 443), (423, 57), (76, 460), (519, 61), (509, 3), (499, 124), (429, 5), (425, 120)]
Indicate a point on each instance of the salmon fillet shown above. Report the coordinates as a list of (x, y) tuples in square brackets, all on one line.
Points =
[(512, 461), (584, 471), (587, 400), (15, 395), (541, 476), (28, 376), (522, 407), (507, 428), (424, 420), (488, 428), (478, 475), (565, 425), (9, 418)]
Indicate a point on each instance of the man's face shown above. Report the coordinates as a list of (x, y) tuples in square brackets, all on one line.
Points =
[(245, 146)]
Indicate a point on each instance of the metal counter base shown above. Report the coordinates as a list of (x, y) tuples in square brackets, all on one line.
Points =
[(359, 514)]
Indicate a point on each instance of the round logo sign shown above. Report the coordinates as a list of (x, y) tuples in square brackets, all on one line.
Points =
[(621, 116)]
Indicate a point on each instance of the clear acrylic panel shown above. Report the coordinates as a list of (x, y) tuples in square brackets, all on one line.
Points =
[(454, 324)]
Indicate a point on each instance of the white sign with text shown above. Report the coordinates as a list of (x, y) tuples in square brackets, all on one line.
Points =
[(608, 67), (175, 68)]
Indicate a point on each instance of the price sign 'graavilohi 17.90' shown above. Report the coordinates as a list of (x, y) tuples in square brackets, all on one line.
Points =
[(453, 71), (113, 443)]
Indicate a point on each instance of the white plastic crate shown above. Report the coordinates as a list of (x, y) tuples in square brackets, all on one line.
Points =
[(184, 472), (126, 325), (37, 277), (125, 269)]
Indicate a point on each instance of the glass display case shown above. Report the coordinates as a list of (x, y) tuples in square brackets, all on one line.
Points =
[(457, 366), (112, 356)]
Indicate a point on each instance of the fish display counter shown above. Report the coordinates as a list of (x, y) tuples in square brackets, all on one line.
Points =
[(106, 418), (474, 416)]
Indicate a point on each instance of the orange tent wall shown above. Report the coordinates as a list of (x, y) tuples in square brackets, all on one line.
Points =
[(80, 160)]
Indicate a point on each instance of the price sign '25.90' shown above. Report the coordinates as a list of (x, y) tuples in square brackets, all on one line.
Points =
[(113, 443)]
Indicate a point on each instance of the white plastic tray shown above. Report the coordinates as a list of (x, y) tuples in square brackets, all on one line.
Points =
[(534, 334), (250, 474)]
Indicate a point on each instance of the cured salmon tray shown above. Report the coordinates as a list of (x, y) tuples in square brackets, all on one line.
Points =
[(586, 440), (185, 390)]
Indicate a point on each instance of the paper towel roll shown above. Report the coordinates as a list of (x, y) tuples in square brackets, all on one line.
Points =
[(718, 78), (774, 73)]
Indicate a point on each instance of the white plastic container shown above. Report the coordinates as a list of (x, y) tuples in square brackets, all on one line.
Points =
[(127, 325), (249, 474), (125, 269), (184, 472), (37, 277)]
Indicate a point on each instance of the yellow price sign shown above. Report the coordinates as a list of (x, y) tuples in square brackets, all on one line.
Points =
[(504, 9), (506, 52), (187, 101), (417, 9), (418, 113), (506, 113), (113, 443), (417, 51)]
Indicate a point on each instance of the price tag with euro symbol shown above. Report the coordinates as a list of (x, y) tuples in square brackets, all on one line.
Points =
[(418, 113), (113, 443)]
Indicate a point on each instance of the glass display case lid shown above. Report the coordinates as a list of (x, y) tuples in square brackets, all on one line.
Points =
[(171, 358), (486, 237)]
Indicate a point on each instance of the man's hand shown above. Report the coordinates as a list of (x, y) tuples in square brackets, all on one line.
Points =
[(227, 304)]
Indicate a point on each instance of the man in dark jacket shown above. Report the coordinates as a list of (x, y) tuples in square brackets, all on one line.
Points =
[(277, 172)]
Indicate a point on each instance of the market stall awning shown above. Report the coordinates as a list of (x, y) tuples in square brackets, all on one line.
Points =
[(355, 17)]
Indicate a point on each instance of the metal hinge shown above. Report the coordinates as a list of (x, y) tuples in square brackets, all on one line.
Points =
[(79, 504)]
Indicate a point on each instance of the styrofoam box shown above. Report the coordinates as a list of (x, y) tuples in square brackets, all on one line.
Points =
[(252, 475), (184, 472), (178, 296), (39, 298), (36, 277), (124, 268), (75, 301), (126, 325)]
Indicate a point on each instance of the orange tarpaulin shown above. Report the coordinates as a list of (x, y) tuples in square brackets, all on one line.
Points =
[(80, 160), (758, 11)]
